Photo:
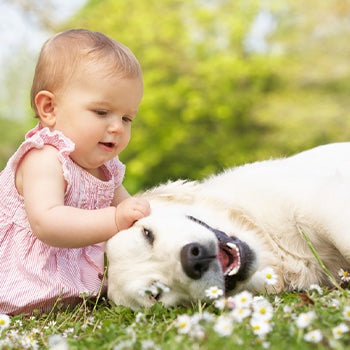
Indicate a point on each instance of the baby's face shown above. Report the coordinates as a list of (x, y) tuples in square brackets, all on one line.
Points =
[(96, 111)]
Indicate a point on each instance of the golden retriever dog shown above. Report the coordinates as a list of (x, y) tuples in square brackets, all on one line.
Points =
[(225, 230)]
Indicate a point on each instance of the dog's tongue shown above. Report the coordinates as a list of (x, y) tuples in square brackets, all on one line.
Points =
[(228, 258), (224, 259)]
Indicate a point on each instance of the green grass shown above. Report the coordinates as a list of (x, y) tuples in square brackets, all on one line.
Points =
[(106, 326)]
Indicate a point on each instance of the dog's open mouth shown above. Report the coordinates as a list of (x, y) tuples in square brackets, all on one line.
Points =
[(235, 256), (236, 259), (230, 258)]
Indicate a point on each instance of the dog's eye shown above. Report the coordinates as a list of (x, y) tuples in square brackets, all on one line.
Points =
[(148, 234)]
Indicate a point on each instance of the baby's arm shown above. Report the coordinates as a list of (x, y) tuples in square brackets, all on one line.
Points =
[(129, 209), (40, 180)]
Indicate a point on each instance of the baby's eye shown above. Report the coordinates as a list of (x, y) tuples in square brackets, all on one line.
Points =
[(126, 118), (101, 112)]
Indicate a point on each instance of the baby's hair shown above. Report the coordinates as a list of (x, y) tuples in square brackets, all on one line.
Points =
[(68, 52)]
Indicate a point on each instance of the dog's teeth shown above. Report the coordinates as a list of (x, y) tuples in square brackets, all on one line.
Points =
[(233, 271), (231, 245)]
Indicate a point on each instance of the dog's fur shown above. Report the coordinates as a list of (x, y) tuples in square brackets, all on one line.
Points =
[(265, 205)]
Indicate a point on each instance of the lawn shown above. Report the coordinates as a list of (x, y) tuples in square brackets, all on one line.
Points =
[(315, 319)]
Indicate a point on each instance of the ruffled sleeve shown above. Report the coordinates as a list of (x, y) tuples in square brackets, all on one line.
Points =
[(38, 138)]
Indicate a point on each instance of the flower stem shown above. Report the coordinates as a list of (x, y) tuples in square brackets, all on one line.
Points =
[(323, 266)]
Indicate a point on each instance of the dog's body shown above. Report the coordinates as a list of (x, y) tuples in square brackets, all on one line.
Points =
[(262, 207)]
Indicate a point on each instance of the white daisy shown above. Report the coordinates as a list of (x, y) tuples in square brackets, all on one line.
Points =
[(154, 289), (223, 326), (27, 341), (214, 292), (197, 332), (314, 336), (344, 275), (305, 319), (52, 324), (243, 299), (262, 309), (346, 313), (183, 324), (230, 302), (269, 275), (260, 327), (220, 303), (240, 313), (207, 316), (339, 330), (4, 321), (57, 342)]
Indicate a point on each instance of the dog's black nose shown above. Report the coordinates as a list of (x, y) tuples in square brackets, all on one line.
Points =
[(195, 260)]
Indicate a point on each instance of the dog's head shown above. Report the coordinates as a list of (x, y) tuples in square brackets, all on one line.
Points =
[(174, 258)]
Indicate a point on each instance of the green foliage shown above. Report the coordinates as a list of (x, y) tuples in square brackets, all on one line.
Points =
[(210, 104)]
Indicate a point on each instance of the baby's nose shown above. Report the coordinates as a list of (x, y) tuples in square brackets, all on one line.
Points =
[(116, 126)]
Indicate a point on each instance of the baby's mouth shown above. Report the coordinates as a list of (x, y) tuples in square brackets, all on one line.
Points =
[(109, 146)]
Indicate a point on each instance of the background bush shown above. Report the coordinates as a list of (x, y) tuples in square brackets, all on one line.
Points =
[(213, 100)]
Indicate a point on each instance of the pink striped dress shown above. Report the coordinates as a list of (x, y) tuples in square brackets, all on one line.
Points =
[(33, 274)]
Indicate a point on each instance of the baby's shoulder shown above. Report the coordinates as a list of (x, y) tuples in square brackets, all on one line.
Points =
[(36, 163), (47, 155)]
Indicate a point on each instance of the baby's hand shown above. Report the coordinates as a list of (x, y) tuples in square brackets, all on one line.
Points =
[(131, 210)]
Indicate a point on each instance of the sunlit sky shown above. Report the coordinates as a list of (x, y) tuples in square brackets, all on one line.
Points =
[(21, 38), (17, 28)]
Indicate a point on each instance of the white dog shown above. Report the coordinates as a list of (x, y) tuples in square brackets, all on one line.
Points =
[(223, 231)]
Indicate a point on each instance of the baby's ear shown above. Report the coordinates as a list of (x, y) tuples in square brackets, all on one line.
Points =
[(44, 101)]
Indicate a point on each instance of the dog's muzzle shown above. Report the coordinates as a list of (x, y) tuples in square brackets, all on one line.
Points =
[(235, 256)]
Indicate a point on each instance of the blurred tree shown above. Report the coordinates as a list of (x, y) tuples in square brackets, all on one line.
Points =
[(228, 81), (313, 41)]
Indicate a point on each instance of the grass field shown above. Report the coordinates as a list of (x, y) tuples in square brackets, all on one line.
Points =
[(316, 319)]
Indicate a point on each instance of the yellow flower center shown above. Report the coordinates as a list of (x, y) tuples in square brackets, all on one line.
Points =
[(268, 276), (2, 322)]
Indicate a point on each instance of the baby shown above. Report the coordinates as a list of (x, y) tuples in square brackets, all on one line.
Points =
[(61, 192)]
